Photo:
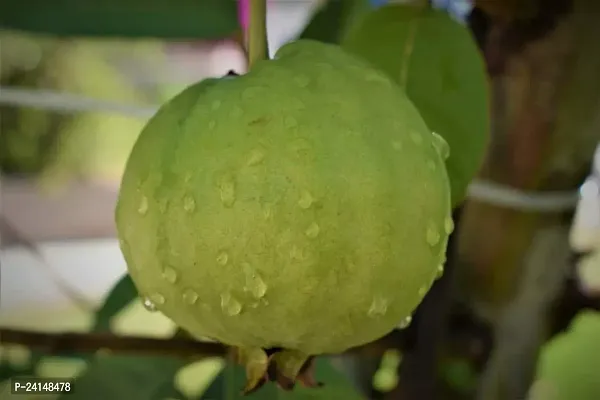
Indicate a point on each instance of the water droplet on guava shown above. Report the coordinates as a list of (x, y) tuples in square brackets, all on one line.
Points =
[(290, 122), (441, 146), (216, 104), (157, 298), (433, 236), (440, 271), (267, 212), (190, 297), (306, 200), (302, 80), (296, 253), (423, 291), (149, 305), (237, 112), (378, 307), (251, 93), (448, 225), (227, 192), (312, 231), (397, 145), (254, 283), (256, 157), (211, 124), (163, 205), (222, 258), (143, 207), (189, 204), (170, 275), (405, 322), (230, 305), (416, 137)]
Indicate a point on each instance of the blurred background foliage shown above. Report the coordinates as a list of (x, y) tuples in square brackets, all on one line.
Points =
[(119, 53)]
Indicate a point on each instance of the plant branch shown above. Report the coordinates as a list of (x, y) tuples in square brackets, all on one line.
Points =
[(70, 342), (257, 32)]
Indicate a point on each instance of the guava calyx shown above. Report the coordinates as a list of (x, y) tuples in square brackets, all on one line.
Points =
[(283, 367)]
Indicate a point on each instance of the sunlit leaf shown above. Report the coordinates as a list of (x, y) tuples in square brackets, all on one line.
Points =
[(438, 63), (124, 377), (123, 293), (331, 20), (183, 19)]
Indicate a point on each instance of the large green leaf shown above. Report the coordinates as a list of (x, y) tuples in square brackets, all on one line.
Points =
[(123, 293), (228, 386), (331, 20), (124, 377), (183, 19), (438, 63)]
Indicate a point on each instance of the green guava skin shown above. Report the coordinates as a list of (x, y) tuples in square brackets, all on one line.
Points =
[(303, 205)]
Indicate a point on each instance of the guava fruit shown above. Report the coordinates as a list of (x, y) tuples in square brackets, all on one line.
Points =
[(436, 61), (302, 207)]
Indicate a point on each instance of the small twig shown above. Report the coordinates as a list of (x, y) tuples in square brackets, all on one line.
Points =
[(257, 32), (68, 342), (180, 346)]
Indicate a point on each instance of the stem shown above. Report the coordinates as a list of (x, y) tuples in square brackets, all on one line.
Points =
[(257, 32)]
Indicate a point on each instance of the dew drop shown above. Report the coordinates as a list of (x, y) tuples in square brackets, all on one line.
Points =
[(163, 205), (149, 305), (441, 146), (211, 124), (230, 305), (397, 145), (423, 291), (448, 225), (215, 105), (312, 231), (143, 207), (290, 122), (237, 112), (405, 322), (170, 275), (256, 157), (416, 138), (378, 307), (296, 253), (254, 283), (189, 204), (440, 271), (157, 298), (227, 192), (267, 212), (251, 93), (190, 297), (376, 77), (433, 236), (222, 258), (306, 200), (302, 81)]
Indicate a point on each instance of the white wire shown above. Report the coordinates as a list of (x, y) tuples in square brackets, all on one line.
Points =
[(489, 192), (68, 103)]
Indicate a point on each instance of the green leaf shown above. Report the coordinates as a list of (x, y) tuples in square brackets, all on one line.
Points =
[(123, 293), (438, 63), (179, 19), (331, 20), (125, 377), (8, 370), (229, 384)]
